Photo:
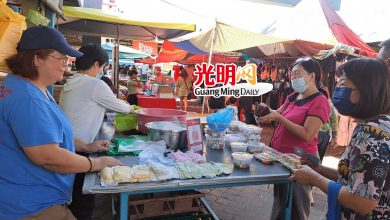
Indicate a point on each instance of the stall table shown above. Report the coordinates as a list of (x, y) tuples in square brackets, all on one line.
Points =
[(257, 174), (154, 102)]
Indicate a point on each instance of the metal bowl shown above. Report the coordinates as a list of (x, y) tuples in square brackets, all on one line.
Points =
[(173, 133)]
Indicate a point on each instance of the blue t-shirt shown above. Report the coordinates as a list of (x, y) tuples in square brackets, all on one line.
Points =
[(29, 118)]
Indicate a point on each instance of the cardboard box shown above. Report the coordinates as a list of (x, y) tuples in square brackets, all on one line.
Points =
[(164, 92), (160, 204)]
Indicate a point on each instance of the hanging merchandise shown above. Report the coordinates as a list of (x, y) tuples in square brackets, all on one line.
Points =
[(12, 25), (37, 18)]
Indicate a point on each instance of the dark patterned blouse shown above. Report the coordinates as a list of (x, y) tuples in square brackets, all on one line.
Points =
[(364, 166)]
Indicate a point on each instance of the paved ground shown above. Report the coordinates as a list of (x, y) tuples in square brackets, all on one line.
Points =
[(239, 203)]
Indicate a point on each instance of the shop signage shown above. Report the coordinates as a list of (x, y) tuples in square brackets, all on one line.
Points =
[(147, 47), (228, 80), (194, 135)]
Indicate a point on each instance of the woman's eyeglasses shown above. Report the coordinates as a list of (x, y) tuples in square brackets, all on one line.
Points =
[(63, 59)]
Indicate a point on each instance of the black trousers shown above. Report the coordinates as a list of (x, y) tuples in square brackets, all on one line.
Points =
[(323, 141), (132, 99), (82, 204), (300, 202)]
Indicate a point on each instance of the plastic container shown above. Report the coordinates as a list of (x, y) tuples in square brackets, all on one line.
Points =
[(146, 115), (215, 143), (238, 146), (216, 134), (255, 147), (254, 139), (234, 126), (242, 159), (233, 138), (250, 131)]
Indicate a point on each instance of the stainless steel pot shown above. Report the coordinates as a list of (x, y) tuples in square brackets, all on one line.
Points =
[(173, 133)]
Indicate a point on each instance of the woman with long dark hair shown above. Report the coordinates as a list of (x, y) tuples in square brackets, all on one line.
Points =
[(183, 88)]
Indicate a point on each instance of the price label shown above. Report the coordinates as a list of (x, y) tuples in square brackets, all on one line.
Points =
[(194, 135)]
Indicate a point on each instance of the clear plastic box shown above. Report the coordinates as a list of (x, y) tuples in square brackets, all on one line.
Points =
[(234, 138), (238, 146), (242, 159), (216, 134), (214, 142)]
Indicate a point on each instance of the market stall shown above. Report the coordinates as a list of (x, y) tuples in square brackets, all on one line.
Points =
[(257, 174), (153, 102), (169, 172)]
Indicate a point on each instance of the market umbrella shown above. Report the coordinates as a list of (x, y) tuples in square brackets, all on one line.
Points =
[(342, 32), (287, 49), (314, 21), (171, 53), (223, 38), (95, 22)]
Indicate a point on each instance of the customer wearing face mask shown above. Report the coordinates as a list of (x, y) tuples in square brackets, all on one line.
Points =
[(299, 120), (85, 99), (360, 187)]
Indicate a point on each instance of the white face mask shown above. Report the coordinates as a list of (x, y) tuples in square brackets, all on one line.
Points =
[(299, 85), (99, 75)]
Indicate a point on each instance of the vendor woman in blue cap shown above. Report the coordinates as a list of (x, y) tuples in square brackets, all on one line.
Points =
[(37, 159)]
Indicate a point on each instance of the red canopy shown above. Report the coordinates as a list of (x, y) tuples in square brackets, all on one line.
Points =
[(342, 32), (168, 53)]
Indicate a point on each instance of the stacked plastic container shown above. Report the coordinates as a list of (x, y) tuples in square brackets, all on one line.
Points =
[(248, 134), (215, 139)]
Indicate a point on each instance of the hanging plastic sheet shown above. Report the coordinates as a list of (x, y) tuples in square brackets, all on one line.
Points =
[(12, 25)]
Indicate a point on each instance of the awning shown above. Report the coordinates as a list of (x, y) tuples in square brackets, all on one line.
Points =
[(124, 52), (95, 22)]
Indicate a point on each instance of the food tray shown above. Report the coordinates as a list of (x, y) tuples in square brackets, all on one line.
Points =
[(276, 154), (291, 161), (265, 158)]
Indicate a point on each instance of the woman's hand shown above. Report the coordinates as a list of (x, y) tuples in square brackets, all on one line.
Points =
[(305, 175), (333, 143), (314, 166), (101, 162), (97, 146), (273, 116)]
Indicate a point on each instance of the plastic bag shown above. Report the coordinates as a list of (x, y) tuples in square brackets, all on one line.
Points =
[(220, 120), (126, 122)]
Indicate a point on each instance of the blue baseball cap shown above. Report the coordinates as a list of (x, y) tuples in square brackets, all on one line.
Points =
[(41, 37)]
